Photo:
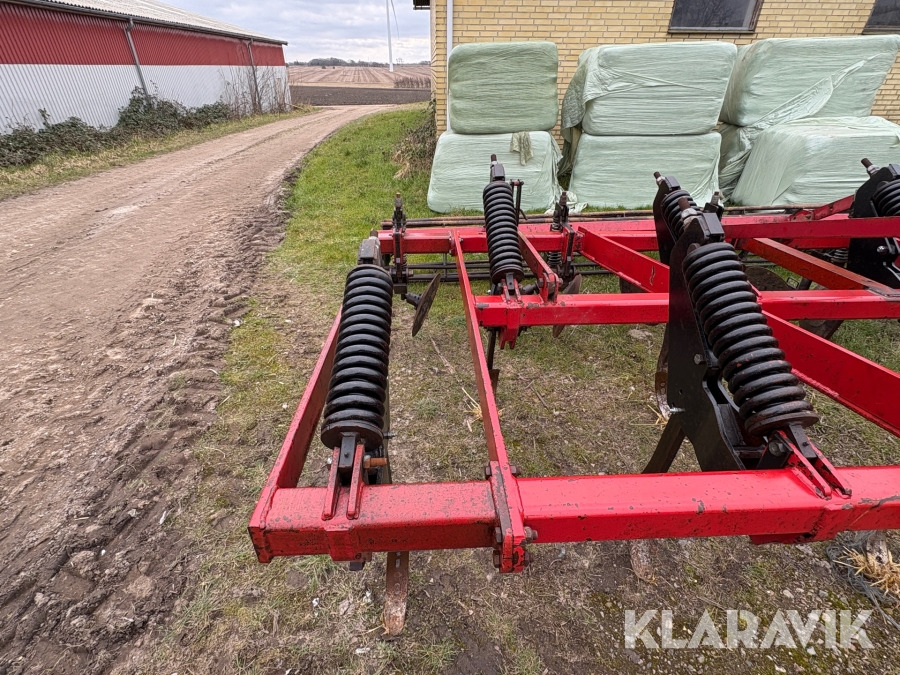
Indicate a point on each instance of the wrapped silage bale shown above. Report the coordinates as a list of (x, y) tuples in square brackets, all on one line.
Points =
[(648, 89), (617, 171), (461, 169), (815, 161), (498, 87), (736, 145), (781, 79)]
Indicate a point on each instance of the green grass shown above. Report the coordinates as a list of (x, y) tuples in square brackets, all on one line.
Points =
[(577, 405), (345, 189), (54, 169), (876, 340)]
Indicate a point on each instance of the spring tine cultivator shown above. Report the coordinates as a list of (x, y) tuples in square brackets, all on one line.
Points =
[(729, 380)]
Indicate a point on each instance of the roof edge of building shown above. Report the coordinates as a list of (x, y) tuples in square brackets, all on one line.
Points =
[(75, 9)]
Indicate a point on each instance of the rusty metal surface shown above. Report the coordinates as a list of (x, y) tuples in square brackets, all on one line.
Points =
[(396, 592)]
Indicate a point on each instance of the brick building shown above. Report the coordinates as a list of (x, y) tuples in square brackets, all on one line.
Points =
[(575, 26)]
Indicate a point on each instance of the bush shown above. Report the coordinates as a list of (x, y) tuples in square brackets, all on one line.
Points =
[(415, 150), (148, 116), (20, 147), (206, 115), (25, 145), (142, 117), (73, 135)]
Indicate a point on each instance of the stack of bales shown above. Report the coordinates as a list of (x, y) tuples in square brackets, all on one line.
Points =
[(503, 101), (820, 83), (817, 160), (631, 110)]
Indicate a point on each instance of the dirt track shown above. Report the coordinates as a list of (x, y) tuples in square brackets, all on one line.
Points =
[(116, 296)]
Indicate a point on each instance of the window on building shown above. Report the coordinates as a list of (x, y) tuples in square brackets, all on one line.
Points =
[(715, 15), (885, 16)]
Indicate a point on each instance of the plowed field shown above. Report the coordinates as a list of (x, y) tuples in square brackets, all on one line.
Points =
[(355, 76)]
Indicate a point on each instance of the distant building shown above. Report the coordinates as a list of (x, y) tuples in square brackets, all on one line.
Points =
[(83, 58), (574, 26)]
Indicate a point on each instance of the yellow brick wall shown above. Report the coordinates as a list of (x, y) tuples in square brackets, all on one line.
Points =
[(575, 25)]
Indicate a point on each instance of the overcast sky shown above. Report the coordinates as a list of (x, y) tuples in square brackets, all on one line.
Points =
[(322, 28)]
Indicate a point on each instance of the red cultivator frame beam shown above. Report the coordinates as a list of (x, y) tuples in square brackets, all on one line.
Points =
[(506, 511)]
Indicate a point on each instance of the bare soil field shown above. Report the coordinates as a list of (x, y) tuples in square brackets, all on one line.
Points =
[(355, 76), (321, 95), (117, 294)]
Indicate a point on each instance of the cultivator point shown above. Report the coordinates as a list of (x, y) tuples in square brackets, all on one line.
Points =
[(729, 379)]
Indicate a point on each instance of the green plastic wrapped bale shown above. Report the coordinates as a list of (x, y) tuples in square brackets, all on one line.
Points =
[(781, 79), (462, 163), (498, 87), (617, 171), (736, 145), (648, 89), (815, 161)]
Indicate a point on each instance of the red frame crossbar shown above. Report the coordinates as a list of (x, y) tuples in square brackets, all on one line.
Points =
[(506, 511)]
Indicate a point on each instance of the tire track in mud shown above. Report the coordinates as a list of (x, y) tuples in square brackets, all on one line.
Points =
[(117, 293)]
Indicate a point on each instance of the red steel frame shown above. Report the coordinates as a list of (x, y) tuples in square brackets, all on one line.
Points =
[(506, 512)]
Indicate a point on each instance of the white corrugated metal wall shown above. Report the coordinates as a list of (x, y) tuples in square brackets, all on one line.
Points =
[(76, 65)]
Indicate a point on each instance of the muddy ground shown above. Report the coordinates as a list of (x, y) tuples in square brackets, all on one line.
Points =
[(117, 293)]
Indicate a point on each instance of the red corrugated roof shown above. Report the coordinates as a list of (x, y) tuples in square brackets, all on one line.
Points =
[(151, 11)]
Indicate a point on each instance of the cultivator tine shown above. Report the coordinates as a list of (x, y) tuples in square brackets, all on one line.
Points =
[(422, 302), (824, 328), (628, 287), (492, 346), (661, 379), (396, 592), (573, 288), (642, 560), (764, 279), (666, 448)]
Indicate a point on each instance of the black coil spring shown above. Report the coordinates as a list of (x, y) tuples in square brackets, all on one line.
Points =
[(887, 198), (554, 258), (839, 256), (765, 390), (356, 393), (501, 222), (672, 212)]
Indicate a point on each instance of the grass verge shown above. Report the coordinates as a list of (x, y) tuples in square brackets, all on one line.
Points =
[(57, 168), (581, 404)]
